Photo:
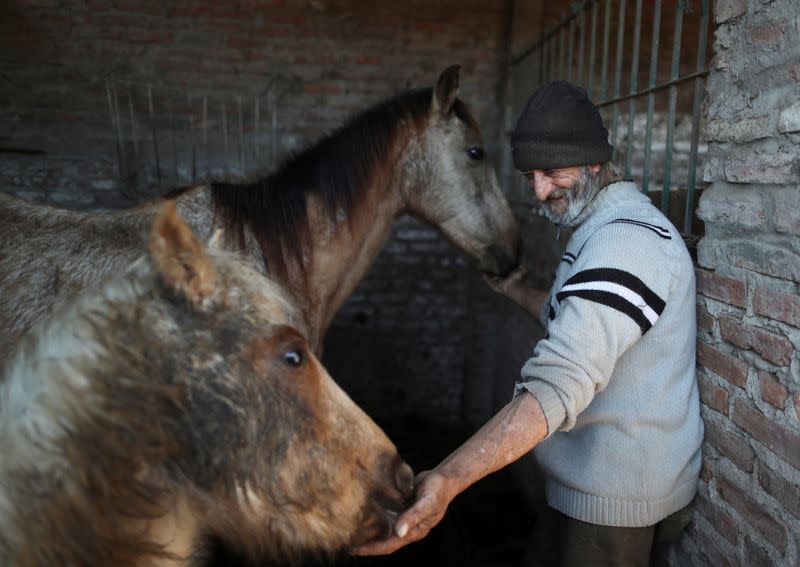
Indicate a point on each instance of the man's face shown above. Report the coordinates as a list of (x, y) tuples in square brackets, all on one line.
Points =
[(564, 192)]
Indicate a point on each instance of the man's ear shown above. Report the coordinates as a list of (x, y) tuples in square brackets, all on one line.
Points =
[(594, 167), (180, 258)]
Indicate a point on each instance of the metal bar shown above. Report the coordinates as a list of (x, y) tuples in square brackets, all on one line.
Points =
[(571, 50), (204, 127), (561, 52), (224, 111), (698, 99), (673, 102), (581, 24), (151, 110), (192, 141), (555, 30), (274, 149), (241, 130), (637, 35), (134, 133), (257, 130), (651, 97), (618, 71), (606, 37), (553, 60), (592, 42), (655, 89)]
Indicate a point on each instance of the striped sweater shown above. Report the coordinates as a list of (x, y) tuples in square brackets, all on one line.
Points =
[(615, 373)]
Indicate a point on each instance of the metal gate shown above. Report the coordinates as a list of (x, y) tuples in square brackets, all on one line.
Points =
[(655, 124)]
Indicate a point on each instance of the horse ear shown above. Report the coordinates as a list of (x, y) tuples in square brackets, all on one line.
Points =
[(180, 258), (446, 90)]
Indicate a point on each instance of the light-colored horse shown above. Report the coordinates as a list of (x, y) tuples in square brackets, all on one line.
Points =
[(315, 225), (172, 403)]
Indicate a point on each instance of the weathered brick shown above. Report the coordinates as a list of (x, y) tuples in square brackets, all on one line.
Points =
[(732, 445), (783, 490), (753, 513), (744, 130), (784, 443), (723, 288), (773, 260), (706, 470), (773, 347), (712, 395), (772, 391), (717, 517), (705, 320), (755, 554), (777, 168), (733, 206), (724, 10), (789, 120), (726, 366), (777, 305), (709, 546)]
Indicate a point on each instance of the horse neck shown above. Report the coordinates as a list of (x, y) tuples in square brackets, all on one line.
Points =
[(341, 255)]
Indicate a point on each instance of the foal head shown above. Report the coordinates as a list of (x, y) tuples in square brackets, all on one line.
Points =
[(175, 402)]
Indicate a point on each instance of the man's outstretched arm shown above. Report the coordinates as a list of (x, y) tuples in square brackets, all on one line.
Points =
[(509, 435)]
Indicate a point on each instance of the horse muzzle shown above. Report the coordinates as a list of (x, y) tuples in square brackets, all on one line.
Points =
[(500, 261), (386, 502)]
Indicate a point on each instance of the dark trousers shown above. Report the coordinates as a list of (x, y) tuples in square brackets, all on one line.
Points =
[(560, 541)]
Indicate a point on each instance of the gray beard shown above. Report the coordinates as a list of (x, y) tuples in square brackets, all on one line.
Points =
[(578, 197)]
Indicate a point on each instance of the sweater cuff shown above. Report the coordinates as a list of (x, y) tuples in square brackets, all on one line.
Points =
[(548, 398)]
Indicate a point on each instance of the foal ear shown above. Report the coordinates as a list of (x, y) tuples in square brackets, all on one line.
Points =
[(180, 258), (446, 90)]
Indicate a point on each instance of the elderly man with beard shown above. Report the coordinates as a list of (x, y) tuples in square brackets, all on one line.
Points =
[(608, 401)]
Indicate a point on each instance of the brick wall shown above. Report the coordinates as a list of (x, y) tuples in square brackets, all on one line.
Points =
[(748, 509), (65, 64)]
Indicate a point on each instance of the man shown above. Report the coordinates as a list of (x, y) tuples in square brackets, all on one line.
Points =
[(609, 398)]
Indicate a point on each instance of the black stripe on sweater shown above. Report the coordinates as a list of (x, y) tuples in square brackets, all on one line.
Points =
[(623, 278), (611, 300)]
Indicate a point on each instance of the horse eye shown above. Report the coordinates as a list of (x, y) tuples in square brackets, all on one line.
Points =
[(475, 153), (293, 358)]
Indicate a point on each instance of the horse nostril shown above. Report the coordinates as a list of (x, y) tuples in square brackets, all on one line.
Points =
[(504, 263), (404, 479)]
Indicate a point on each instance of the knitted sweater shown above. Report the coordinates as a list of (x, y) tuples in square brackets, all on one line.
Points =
[(615, 373)]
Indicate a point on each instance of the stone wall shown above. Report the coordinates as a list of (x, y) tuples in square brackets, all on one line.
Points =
[(748, 509)]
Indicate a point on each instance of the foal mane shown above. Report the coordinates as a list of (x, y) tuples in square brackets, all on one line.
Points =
[(336, 170)]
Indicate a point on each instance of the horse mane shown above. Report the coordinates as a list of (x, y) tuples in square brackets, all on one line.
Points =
[(336, 170)]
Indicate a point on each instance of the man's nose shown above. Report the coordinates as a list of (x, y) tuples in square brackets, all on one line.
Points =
[(541, 185)]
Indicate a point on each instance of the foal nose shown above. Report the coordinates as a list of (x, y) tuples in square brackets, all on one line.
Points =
[(398, 491), (404, 480)]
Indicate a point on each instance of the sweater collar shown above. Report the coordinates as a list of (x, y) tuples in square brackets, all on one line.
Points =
[(608, 200)]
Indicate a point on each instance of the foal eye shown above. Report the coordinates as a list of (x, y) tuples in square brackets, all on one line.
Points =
[(475, 153), (293, 358)]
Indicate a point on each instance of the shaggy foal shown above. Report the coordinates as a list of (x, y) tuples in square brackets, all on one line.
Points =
[(172, 403)]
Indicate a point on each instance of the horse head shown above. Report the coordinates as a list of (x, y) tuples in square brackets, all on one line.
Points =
[(458, 189), (176, 401)]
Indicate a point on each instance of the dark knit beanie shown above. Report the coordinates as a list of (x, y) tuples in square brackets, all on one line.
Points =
[(559, 127)]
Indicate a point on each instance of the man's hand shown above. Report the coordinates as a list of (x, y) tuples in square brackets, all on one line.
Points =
[(414, 524)]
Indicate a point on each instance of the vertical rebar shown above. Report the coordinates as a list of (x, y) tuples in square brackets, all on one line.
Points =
[(604, 65), (696, 103), (634, 85), (153, 133), (651, 97), (580, 22), (618, 70), (673, 103), (592, 41)]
